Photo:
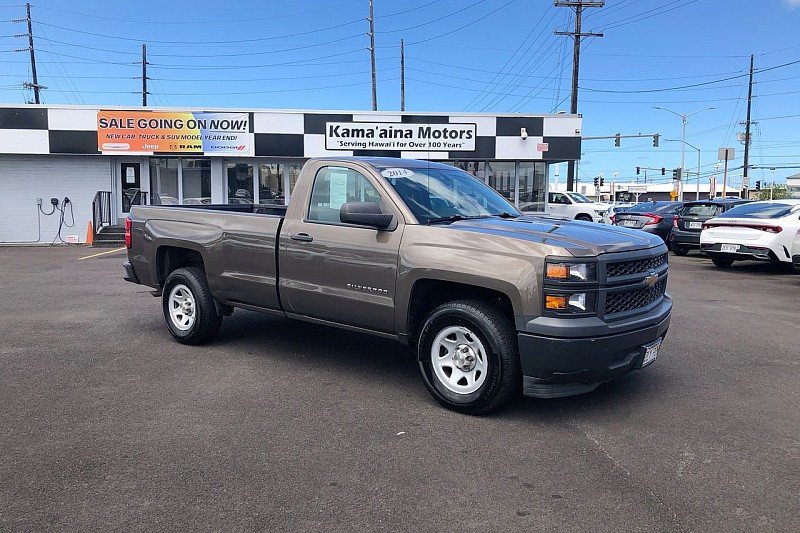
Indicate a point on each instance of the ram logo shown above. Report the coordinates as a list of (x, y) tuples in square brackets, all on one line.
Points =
[(651, 280)]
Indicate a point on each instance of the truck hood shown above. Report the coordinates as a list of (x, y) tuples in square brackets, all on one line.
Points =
[(581, 239)]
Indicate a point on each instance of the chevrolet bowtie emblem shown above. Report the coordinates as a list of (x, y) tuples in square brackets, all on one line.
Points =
[(651, 280)]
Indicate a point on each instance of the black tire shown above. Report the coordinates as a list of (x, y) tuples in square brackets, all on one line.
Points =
[(503, 380), (206, 321), (584, 218), (722, 262), (680, 249)]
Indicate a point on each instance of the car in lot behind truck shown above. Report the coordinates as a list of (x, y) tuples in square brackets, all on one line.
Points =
[(688, 222), (652, 217), (493, 303), (760, 231), (576, 206)]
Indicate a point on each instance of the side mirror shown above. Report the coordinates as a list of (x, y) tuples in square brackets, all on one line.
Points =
[(365, 214)]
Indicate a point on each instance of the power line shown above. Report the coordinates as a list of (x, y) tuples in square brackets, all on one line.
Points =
[(184, 22), (436, 20), (479, 19), (232, 41)]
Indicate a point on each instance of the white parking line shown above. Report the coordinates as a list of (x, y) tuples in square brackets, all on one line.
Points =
[(101, 253)]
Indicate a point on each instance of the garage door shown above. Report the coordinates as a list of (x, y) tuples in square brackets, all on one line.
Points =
[(23, 179)]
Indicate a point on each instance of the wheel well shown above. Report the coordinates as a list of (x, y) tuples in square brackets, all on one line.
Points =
[(583, 216), (428, 294), (171, 258)]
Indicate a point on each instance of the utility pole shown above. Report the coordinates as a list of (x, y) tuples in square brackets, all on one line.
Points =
[(371, 20), (35, 85), (144, 75), (402, 76), (576, 59), (746, 178)]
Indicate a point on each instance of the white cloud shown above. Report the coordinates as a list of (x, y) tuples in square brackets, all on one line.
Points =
[(791, 3)]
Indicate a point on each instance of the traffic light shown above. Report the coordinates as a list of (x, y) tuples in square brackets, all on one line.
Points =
[(655, 140), (596, 181), (758, 185), (638, 170), (616, 139), (677, 174), (602, 180), (663, 171)]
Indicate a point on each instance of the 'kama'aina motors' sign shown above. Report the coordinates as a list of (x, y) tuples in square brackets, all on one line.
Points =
[(399, 136)]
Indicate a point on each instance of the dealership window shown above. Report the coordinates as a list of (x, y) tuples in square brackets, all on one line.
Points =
[(502, 178), (270, 183), (532, 179), (240, 183), (474, 168), (164, 181), (196, 181)]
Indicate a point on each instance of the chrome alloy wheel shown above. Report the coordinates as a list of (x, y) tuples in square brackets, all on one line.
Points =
[(459, 360), (182, 308)]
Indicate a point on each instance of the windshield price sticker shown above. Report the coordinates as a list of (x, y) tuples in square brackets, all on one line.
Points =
[(397, 173), (399, 136)]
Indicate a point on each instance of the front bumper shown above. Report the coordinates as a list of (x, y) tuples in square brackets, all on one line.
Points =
[(130, 274), (579, 359)]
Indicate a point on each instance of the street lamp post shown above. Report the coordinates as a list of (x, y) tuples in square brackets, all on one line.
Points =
[(697, 195), (684, 119)]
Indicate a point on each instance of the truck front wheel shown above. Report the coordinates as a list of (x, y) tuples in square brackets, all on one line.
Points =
[(467, 353), (189, 308)]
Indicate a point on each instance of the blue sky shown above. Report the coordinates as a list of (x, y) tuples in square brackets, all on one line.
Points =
[(471, 55)]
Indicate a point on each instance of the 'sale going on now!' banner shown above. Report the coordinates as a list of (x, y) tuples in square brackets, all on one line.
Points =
[(174, 132)]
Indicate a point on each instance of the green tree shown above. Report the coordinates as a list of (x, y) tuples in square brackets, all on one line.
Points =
[(778, 193)]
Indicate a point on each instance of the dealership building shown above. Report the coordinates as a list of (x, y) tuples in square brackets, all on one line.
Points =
[(105, 160)]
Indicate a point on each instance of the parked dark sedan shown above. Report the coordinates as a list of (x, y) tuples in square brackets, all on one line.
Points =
[(688, 223), (652, 217)]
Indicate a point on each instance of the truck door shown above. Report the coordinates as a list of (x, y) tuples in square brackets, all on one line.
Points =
[(333, 271)]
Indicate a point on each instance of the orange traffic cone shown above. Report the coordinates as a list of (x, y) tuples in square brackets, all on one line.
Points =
[(89, 233)]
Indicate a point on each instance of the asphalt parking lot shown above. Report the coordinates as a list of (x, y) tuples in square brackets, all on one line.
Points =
[(107, 424)]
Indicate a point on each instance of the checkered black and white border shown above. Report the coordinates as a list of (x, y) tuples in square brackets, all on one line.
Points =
[(73, 130)]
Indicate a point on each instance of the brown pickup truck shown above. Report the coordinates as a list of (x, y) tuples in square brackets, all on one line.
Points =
[(493, 303)]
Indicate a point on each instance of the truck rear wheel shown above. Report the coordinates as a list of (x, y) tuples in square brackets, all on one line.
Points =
[(467, 353), (584, 218), (189, 308)]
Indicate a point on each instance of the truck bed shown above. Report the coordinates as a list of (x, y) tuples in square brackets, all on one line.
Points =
[(256, 209)]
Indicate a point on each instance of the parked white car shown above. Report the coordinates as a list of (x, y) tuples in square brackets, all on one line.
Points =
[(761, 231), (611, 212), (576, 206)]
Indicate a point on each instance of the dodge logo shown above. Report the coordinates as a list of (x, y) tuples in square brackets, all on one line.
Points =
[(651, 280)]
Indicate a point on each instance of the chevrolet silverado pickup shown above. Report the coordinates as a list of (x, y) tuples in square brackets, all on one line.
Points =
[(494, 303)]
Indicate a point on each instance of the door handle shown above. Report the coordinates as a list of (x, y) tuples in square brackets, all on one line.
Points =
[(302, 237)]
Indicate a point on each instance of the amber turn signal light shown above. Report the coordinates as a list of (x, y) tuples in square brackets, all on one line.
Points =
[(558, 303), (557, 271)]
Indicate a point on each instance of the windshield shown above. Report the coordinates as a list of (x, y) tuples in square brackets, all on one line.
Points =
[(759, 210), (702, 210), (440, 194), (578, 198)]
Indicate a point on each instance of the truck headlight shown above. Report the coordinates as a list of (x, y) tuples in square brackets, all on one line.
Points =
[(579, 302), (571, 271)]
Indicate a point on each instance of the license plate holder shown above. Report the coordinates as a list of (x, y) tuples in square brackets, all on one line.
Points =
[(695, 225), (629, 223), (651, 352), (729, 248)]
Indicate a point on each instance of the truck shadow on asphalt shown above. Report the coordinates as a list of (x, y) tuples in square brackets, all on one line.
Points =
[(382, 363)]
